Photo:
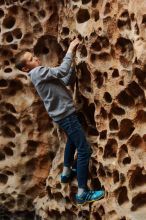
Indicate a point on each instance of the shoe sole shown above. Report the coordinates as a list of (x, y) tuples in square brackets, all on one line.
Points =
[(102, 196)]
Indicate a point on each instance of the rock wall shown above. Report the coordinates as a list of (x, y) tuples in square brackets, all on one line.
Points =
[(109, 94)]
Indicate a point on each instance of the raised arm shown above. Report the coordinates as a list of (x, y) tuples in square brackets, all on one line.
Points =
[(71, 76), (64, 68)]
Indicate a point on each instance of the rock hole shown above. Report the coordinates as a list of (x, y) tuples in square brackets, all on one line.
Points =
[(10, 119), (85, 1), (3, 83), (125, 14), (121, 195), (14, 86), (84, 214), (14, 9), (124, 148), (135, 141), (116, 176), (104, 56), (54, 214), (117, 110), (141, 116), (46, 44), (104, 41), (2, 156), (10, 203), (107, 8), (126, 129), (31, 165), (58, 196), (121, 83), (6, 62), (96, 15), (94, 3), (141, 76), (9, 173), (115, 73), (136, 29), (125, 99), (101, 170), (9, 22), (122, 178), (3, 178), (107, 97), (83, 51), (10, 107), (7, 70), (122, 23), (7, 132), (85, 77), (110, 149), (21, 200), (92, 131), (98, 79), (3, 197), (42, 13), (9, 38), (144, 137), (144, 19), (124, 44), (95, 183), (89, 113), (25, 178), (93, 57), (2, 2), (45, 50), (65, 31), (1, 13), (97, 216), (137, 178), (113, 125), (14, 47), (103, 134), (132, 16), (105, 75), (37, 28), (96, 46), (138, 201), (82, 15), (27, 39), (17, 33), (126, 160), (103, 113), (31, 147), (8, 151), (135, 90), (45, 161)]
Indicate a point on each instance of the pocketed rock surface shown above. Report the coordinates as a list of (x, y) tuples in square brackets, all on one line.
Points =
[(109, 94)]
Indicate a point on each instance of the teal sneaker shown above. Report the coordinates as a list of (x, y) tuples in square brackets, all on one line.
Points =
[(89, 196), (69, 177)]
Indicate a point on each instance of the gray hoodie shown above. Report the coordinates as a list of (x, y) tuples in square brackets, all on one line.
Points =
[(51, 83)]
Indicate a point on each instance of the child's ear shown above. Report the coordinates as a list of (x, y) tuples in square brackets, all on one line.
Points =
[(25, 69)]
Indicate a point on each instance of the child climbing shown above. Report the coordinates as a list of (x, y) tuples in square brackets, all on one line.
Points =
[(50, 83)]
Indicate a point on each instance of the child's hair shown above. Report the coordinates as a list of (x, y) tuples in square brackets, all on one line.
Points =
[(19, 60)]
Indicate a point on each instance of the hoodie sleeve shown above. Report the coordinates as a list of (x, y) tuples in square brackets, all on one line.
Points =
[(70, 78), (47, 73)]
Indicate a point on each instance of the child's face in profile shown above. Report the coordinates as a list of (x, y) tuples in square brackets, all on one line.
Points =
[(31, 61)]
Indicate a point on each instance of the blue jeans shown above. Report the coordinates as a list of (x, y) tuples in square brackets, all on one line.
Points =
[(76, 140)]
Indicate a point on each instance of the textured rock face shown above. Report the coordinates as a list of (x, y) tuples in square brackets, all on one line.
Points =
[(109, 94)]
